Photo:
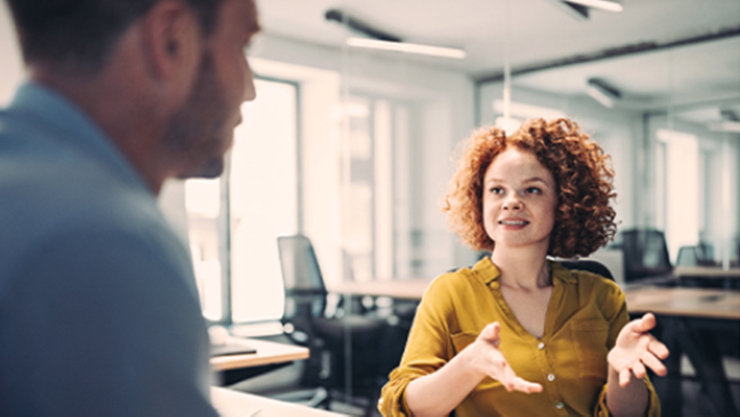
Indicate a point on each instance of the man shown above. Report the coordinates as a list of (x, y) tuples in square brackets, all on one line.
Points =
[(99, 313)]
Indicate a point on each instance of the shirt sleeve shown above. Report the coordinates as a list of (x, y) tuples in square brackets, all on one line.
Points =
[(653, 409), (613, 299), (105, 324), (427, 349)]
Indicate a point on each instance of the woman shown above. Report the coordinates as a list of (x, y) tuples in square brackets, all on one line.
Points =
[(518, 334)]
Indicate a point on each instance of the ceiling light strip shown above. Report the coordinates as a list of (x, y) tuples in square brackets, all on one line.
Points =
[(730, 126), (610, 6), (413, 48), (599, 95)]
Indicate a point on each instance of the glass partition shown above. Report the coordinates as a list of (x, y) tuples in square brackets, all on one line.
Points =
[(674, 142)]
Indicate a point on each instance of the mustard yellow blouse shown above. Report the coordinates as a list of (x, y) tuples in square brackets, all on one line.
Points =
[(583, 318)]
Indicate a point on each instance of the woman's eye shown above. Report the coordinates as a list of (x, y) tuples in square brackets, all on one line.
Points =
[(533, 190), (496, 190)]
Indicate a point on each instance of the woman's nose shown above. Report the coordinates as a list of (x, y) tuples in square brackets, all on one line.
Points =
[(513, 204)]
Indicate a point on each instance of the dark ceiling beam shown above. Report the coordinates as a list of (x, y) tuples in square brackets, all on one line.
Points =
[(608, 54)]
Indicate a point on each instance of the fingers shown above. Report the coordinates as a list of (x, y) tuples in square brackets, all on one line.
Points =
[(497, 367), (653, 363), (641, 325), (495, 329), (512, 382), (658, 349), (638, 369), (526, 387), (647, 359), (647, 322), (624, 377), (490, 333)]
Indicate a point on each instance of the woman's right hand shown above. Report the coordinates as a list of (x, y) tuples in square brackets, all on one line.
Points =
[(485, 358)]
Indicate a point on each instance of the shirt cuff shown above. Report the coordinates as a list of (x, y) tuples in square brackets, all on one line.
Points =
[(653, 407)]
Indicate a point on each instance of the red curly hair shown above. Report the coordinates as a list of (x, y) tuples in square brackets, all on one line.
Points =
[(584, 219)]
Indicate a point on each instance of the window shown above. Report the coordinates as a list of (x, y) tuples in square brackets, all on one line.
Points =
[(681, 189), (234, 221), (203, 204), (263, 197), (377, 223)]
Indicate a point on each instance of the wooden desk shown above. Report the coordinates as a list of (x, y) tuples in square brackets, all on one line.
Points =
[(675, 301), (685, 302), (267, 353), (230, 403), (706, 272), (689, 321), (409, 289), (708, 276)]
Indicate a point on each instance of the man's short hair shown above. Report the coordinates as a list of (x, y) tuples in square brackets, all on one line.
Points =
[(79, 34)]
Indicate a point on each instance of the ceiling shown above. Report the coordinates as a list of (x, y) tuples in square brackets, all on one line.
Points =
[(683, 54)]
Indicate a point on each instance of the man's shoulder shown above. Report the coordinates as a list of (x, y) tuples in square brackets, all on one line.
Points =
[(70, 187), (43, 205)]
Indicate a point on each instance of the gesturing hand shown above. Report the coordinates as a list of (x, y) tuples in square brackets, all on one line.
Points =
[(635, 348), (488, 360)]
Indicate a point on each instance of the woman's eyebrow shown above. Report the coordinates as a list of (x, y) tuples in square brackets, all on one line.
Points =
[(526, 180), (536, 179)]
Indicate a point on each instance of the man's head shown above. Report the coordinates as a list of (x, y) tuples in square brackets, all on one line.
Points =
[(202, 131), (164, 78), (79, 34)]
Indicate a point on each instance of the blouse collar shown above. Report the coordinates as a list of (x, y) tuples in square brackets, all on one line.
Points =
[(490, 274)]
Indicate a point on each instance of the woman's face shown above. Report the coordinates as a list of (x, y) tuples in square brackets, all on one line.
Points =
[(519, 200)]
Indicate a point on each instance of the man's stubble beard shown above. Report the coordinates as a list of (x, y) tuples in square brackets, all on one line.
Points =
[(193, 138)]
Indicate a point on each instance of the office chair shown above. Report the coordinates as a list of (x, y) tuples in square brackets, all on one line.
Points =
[(645, 253), (588, 265), (699, 255), (307, 323), (688, 256)]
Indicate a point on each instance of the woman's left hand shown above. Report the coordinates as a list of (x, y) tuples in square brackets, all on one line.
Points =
[(636, 349)]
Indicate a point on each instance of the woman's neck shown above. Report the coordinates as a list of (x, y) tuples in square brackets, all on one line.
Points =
[(522, 269)]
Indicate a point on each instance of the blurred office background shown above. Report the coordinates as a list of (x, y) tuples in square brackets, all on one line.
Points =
[(353, 146)]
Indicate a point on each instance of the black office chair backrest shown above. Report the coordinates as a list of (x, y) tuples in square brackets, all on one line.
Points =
[(688, 256), (706, 253), (588, 265), (299, 265), (305, 293), (645, 253)]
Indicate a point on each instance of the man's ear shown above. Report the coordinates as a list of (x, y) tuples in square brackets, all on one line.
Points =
[(172, 42)]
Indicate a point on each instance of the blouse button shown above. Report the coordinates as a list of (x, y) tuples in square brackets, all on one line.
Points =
[(559, 406), (541, 346), (550, 377)]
